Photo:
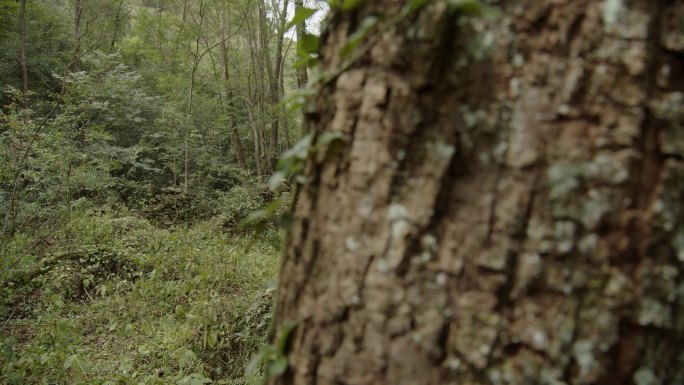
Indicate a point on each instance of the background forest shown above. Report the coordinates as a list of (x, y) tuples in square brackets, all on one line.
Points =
[(136, 139)]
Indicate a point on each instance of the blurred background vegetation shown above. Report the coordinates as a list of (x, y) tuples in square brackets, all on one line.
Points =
[(135, 137)]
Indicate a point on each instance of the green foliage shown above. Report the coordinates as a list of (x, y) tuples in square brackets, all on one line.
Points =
[(112, 269), (135, 303), (359, 35), (292, 162), (109, 96), (272, 357), (301, 15), (239, 203), (50, 47), (348, 5)]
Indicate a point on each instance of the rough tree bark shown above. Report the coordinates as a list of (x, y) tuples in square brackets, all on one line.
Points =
[(506, 207)]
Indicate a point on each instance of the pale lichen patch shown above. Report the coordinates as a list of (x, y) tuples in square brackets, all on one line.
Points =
[(611, 12)]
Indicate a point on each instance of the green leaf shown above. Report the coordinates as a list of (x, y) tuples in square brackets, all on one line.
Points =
[(300, 151), (298, 98), (277, 179), (82, 364), (328, 137), (187, 358), (301, 14), (307, 60), (355, 38), (260, 216), (255, 362), (309, 44), (7, 352), (277, 367), (285, 335), (468, 7), (417, 4), (212, 339), (68, 363), (348, 5)]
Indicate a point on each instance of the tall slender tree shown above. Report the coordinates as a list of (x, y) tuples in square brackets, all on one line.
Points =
[(78, 13), (229, 94), (23, 62), (302, 76), (274, 79)]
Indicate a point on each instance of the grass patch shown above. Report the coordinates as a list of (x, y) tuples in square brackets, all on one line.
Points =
[(112, 299)]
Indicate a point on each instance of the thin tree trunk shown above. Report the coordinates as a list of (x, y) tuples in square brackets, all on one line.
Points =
[(302, 76), (258, 69), (160, 32), (504, 206), (186, 9), (283, 111), (117, 21), (22, 53), (78, 12), (275, 82), (256, 142), (230, 99), (265, 66), (188, 124)]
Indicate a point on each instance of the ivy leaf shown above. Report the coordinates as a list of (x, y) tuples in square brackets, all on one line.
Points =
[(300, 151), (358, 35), (277, 367), (259, 217), (285, 335), (277, 179), (348, 5), (328, 137), (468, 7), (301, 14), (255, 362), (309, 44), (306, 61), (417, 4)]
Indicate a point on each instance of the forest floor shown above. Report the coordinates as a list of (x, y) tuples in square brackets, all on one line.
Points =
[(113, 299)]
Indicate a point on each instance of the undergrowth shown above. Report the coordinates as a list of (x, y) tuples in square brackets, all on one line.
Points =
[(110, 298)]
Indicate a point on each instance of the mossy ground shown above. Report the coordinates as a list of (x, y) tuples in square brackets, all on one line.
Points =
[(112, 299)]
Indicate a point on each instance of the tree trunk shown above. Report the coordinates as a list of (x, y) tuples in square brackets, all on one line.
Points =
[(274, 83), (78, 12), (302, 77), (230, 98), (22, 53), (266, 65), (196, 59), (257, 52), (283, 111), (117, 22), (505, 207)]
